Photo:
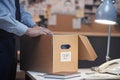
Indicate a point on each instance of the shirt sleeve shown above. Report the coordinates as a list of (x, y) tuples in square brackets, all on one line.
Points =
[(26, 17), (10, 24)]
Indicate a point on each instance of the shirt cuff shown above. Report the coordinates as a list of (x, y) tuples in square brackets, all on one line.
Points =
[(20, 29)]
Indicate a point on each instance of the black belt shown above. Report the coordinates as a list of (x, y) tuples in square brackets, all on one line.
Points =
[(5, 33)]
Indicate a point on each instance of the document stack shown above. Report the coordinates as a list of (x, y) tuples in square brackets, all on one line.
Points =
[(63, 75)]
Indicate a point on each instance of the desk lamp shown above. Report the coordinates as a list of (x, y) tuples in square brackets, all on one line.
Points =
[(106, 14)]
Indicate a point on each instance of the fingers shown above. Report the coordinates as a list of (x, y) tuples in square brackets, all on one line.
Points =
[(46, 31), (37, 31)]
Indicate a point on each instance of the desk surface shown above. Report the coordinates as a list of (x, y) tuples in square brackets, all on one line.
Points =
[(90, 33), (86, 74)]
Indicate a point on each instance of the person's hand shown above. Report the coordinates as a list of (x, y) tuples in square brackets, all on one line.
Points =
[(37, 31)]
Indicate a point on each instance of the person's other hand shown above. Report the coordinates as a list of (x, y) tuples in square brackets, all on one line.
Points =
[(37, 31)]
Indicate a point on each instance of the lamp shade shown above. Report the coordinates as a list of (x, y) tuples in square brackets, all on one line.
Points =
[(106, 13)]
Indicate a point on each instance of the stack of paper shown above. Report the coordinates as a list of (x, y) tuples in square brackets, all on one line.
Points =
[(63, 75)]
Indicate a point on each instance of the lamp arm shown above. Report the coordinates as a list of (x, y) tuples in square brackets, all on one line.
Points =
[(108, 43)]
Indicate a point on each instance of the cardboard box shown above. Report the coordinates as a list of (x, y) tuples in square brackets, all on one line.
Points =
[(49, 53), (85, 49)]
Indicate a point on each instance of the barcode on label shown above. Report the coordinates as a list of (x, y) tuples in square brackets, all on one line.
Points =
[(65, 56)]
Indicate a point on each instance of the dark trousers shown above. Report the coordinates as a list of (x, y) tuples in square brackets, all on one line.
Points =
[(8, 56)]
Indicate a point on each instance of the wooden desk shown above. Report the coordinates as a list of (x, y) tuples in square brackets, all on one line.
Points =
[(86, 74), (97, 34)]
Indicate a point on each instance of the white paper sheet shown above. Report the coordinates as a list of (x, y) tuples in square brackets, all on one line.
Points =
[(89, 2), (52, 20), (76, 23)]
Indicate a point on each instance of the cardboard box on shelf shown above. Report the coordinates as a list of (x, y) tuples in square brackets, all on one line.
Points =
[(49, 53), (85, 49), (63, 23)]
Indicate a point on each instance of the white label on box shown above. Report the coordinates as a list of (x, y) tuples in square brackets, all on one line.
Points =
[(65, 56)]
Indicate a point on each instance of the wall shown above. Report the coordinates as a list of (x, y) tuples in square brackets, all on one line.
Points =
[(64, 24)]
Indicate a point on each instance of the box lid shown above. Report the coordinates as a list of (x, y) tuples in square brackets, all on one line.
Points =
[(86, 51)]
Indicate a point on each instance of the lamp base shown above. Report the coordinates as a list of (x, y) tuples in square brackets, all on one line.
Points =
[(107, 58), (94, 68)]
